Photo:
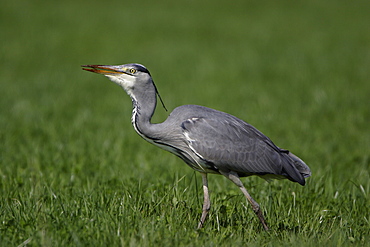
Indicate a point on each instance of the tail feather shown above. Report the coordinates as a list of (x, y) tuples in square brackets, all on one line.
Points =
[(295, 169), (300, 165)]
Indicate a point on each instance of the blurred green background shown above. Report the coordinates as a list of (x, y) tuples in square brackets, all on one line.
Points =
[(297, 70)]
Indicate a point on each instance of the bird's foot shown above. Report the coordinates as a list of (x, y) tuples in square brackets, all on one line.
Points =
[(261, 218)]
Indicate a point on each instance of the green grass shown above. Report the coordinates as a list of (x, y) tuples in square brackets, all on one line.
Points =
[(74, 173)]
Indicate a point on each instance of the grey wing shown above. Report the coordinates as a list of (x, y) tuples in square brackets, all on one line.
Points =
[(233, 145)]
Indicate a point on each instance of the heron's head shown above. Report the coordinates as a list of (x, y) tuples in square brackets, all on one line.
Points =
[(127, 76)]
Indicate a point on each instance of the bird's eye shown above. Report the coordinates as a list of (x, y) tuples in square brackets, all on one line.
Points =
[(132, 71)]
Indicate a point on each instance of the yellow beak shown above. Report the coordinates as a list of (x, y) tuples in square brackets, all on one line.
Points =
[(103, 69)]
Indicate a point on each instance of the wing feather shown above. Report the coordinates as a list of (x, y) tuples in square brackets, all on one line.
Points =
[(234, 145)]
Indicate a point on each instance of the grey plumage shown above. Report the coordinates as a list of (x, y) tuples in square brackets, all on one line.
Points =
[(208, 140)]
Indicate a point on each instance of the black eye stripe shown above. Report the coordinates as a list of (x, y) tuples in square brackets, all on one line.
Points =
[(138, 67)]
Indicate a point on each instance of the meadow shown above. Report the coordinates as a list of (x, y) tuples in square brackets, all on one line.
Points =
[(73, 172)]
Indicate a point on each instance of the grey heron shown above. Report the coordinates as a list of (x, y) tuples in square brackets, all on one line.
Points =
[(209, 141)]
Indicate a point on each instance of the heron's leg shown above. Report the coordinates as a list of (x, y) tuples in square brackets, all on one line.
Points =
[(256, 208), (207, 201)]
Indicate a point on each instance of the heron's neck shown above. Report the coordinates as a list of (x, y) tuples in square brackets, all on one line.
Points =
[(143, 109)]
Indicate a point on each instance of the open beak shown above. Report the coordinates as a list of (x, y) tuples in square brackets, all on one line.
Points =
[(103, 69)]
